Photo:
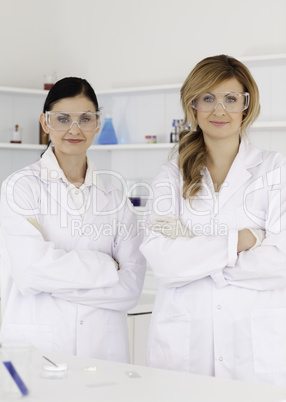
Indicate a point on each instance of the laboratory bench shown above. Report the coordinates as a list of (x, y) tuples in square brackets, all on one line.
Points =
[(97, 380)]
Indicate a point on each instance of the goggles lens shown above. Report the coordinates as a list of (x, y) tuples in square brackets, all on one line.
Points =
[(232, 102), (63, 121)]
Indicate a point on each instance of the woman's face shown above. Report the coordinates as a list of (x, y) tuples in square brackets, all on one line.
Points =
[(74, 140), (219, 124)]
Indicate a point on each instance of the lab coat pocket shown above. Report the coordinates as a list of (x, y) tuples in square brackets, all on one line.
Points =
[(169, 341), (268, 328), (40, 336)]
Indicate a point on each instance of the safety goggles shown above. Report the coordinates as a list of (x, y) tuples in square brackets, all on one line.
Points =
[(232, 102), (63, 121)]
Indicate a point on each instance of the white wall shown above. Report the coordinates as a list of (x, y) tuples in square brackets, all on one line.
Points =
[(119, 43)]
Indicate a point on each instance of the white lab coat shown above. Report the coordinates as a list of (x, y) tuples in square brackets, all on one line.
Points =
[(218, 313), (61, 290)]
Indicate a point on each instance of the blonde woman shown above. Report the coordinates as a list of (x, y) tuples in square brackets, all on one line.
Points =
[(217, 237)]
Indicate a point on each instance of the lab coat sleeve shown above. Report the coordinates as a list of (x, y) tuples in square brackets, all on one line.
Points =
[(125, 294), (37, 265), (180, 261), (264, 268)]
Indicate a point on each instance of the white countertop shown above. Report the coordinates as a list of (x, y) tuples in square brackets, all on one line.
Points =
[(112, 382)]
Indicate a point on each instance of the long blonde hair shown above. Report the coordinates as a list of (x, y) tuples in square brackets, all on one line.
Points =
[(207, 74)]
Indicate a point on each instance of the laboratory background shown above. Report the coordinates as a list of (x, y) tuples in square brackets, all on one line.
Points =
[(136, 55)]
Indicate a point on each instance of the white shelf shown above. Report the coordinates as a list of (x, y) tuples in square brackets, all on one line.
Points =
[(131, 147), (24, 91), (143, 89), (8, 145), (38, 95), (269, 124), (130, 90), (115, 147), (42, 92), (264, 58)]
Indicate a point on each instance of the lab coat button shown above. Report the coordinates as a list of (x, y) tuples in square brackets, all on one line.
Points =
[(81, 322), (53, 174), (76, 192), (219, 307), (221, 359)]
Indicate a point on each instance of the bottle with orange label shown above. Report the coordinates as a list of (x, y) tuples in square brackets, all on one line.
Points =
[(16, 135)]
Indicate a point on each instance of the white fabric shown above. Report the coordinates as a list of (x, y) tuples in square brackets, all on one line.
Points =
[(51, 169), (61, 289), (259, 236), (218, 312), (169, 227), (172, 228)]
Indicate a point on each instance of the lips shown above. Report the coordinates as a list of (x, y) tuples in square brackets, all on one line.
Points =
[(218, 123), (73, 141)]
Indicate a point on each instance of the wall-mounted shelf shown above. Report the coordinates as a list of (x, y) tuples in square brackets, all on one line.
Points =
[(269, 125), (7, 145), (263, 58), (115, 91), (138, 112), (132, 147), (24, 91), (151, 88), (117, 147)]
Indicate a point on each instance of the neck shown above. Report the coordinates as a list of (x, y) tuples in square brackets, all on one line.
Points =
[(73, 166), (220, 157), (221, 154)]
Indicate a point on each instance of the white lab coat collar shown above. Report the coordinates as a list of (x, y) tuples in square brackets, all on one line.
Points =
[(51, 171), (248, 156)]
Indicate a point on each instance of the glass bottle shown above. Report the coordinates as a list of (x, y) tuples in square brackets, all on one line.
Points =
[(107, 135), (16, 135)]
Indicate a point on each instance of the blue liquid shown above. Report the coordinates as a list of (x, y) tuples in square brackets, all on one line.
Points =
[(107, 135), (136, 201)]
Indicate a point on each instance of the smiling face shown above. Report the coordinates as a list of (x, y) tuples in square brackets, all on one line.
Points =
[(218, 124), (74, 141)]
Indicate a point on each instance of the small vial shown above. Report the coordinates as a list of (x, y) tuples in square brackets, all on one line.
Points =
[(16, 135), (49, 80), (148, 139), (154, 139), (173, 132)]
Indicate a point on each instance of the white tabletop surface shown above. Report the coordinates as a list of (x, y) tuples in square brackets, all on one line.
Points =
[(112, 382)]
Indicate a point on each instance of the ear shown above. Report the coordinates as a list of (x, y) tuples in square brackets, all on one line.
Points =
[(244, 114), (44, 124)]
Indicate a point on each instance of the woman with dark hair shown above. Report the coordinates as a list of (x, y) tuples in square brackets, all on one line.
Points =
[(217, 237), (71, 266)]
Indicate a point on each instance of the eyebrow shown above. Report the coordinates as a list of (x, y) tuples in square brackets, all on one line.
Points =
[(69, 113), (221, 92)]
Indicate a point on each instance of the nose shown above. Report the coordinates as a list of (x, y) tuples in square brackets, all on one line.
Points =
[(74, 128), (219, 108)]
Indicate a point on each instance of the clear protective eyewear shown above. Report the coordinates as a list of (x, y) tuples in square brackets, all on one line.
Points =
[(232, 102), (63, 121)]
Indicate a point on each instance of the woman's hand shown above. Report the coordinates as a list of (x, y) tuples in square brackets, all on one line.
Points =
[(246, 240), (171, 228)]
